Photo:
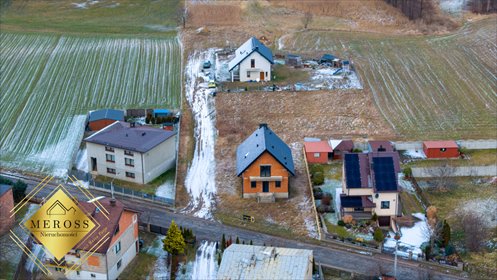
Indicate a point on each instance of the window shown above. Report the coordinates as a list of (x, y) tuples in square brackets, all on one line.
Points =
[(252, 63), (443, 150), (385, 205), (130, 174), (317, 155), (248, 74), (93, 275), (265, 171), (109, 149), (117, 248), (117, 230), (129, 161), (266, 75), (110, 158), (278, 184), (111, 170), (119, 263), (128, 153), (253, 184), (77, 272)]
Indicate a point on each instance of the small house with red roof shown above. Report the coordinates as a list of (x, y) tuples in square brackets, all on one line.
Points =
[(441, 149), (317, 152)]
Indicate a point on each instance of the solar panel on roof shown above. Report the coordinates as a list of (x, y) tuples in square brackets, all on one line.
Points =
[(384, 174), (352, 171)]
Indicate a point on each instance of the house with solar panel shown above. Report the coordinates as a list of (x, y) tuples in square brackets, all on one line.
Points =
[(252, 62), (370, 185), (265, 164)]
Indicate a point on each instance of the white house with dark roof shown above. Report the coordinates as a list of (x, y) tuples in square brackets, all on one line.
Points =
[(132, 153), (252, 62), (261, 262)]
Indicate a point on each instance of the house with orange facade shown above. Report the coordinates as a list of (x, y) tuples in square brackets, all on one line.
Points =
[(265, 164), (115, 253)]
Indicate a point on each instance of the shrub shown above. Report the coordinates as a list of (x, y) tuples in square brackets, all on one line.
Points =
[(19, 191), (314, 168), (326, 199), (347, 219), (374, 218), (356, 150), (378, 235), (318, 178), (407, 172), (341, 223), (445, 234)]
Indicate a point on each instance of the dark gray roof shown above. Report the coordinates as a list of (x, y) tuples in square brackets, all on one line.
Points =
[(106, 114), (262, 140), (140, 138), (385, 177), (4, 189), (252, 45)]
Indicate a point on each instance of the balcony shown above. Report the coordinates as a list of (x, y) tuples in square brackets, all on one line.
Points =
[(265, 179)]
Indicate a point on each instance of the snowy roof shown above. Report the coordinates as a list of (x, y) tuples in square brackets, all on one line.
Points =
[(140, 138), (252, 45), (106, 114), (263, 140), (4, 189), (440, 144), (259, 262), (317, 147)]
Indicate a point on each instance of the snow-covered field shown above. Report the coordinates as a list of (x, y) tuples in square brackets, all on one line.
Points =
[(50, 82), (411, 239), (81, 162), (200, 179)]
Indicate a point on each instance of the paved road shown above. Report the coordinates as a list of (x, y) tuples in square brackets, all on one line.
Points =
[(331, 255)]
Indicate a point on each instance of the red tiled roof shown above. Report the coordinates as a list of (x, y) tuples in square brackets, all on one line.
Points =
[(318, 147), (375, 145), (440, 144)]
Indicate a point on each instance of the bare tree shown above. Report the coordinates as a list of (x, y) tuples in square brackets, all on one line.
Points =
[(443, 176), (307, 19), (475, 231)]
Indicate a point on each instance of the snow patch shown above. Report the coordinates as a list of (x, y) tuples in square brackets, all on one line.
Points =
[(452, 6), (486, 209), (166, 190), (82, 160), (411, 239), (404, 184), (200, 178), (414, 154)]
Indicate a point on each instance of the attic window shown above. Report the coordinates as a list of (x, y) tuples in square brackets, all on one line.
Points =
[(257, 145)]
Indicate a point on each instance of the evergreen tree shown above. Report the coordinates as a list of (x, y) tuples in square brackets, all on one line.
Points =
[(243, 242), (251, 243), (378, 235), (174, 243), (223, 243), (237, 241), (445, 234)]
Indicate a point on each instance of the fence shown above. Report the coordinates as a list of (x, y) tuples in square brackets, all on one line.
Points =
[(460, 171), (482, 144), (318, 222), (84, 176)]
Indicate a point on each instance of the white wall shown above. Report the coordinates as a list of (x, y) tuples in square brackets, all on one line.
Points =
[(159, 159), (86, 275), (392, 197), (261, 65)]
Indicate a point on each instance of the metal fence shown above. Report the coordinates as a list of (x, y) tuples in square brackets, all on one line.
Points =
[(118, 190)]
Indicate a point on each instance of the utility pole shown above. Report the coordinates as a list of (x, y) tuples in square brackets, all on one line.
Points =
[(397, 237)]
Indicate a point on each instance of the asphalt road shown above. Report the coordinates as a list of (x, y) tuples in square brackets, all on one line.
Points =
[(330, 255)]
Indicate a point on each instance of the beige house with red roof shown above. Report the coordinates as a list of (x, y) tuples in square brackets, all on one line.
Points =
[(114, 254)]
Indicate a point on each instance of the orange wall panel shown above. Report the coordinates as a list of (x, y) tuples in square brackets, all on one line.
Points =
[(277, 169)]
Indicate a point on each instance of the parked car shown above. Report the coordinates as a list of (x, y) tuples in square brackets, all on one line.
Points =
[(211, 84), (207, 64)]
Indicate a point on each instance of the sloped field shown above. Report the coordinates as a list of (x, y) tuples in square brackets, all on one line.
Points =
[(49, 83), (425, 87)]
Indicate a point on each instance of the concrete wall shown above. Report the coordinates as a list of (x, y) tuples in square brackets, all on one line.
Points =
[(461, 171), (261, 65), (159, 159)]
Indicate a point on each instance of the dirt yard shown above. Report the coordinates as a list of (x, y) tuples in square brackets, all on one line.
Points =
[(325, 114)]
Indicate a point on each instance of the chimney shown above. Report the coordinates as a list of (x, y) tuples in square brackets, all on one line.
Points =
[(112, 202), (263, 125), (381, 149)]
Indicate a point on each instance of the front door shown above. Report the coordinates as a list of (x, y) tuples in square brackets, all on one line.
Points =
[(262, 76), (265, 186)]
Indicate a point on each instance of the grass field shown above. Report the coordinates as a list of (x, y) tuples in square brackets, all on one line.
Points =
[(50, 82), (425, 86), (84, 16)]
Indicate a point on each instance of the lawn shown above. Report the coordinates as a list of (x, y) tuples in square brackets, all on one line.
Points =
[(426, 87), (50, 82), (410, 204), (114, 17)]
